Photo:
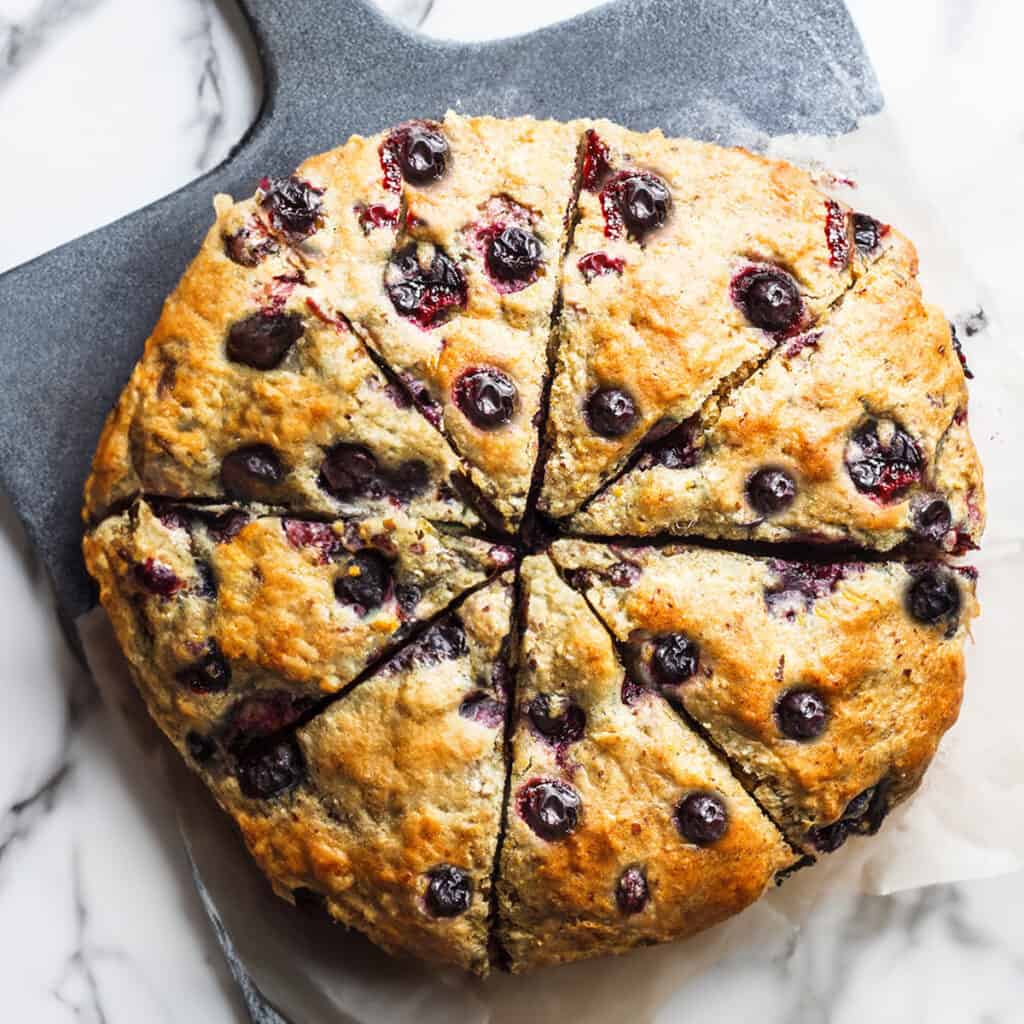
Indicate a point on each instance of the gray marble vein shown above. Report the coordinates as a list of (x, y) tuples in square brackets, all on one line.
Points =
[(209, 93), (78, 987), (21, 41), (18, 820)]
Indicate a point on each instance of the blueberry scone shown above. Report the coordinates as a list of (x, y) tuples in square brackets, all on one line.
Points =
[(828, 685), (210, 603), (623, 826), (387, 524), (347, 810), (467, 221), (688, 263), (854, 431), (250, 389)]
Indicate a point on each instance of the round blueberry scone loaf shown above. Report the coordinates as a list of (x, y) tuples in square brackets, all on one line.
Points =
[(436, 523)]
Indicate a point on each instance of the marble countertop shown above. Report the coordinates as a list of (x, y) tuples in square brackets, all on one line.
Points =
[(108, 104)]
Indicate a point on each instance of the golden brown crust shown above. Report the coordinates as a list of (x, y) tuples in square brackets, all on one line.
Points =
[(500, 172), (630, 769), (882, 354), (400, 783), (257, 640), (666, 330), (188, 405), (892, 685), (265, 598)]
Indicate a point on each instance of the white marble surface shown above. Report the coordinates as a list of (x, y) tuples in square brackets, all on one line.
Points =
[(107, 104)]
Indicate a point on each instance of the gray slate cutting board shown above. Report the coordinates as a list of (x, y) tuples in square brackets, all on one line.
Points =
[(72, 322)]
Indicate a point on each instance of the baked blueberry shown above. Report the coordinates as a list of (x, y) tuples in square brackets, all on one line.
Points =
[(262, 341), (677, 449), (867, 232), (801, 714), (248, 247), (209, 674), (610, 412), (267, 770), (424, 294), (158, 578), (638, 200), (251, 471), (768, 297), (836, 237), (486, 397), (557, 718), (883, 460), (260, 715), (407, 480), (864, 814), (294, 206), (631, 891), (222, 526), (550, 807), (449, 891), (514, 254), (302, 533), (350, 471), (799, 584), (483, 708), (206, 582), (674, 659), (596, 161), (365, 581), (931, 517), (933, 595), (444, 642), (701, 818), (201, 748), (422, 153), (770, 490), (597, 264)]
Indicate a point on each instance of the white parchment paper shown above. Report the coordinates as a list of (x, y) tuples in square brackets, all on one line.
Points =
[(965, 822)]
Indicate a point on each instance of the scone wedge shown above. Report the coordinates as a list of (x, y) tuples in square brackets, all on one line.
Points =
[(623, 826), (387, 806), (460, 228), (854, 432), (688, 264), (215, 605), (828, 686), (251, 389)]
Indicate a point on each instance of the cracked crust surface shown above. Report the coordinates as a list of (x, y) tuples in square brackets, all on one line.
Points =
[(892, 685), (235, 607), (882, 354), (631, 767), (375, 815)]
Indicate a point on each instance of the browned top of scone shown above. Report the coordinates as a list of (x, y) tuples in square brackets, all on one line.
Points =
[(821, 682), (303, 512), (395, 819), (608, 844), (660, 314), (865, 417)]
